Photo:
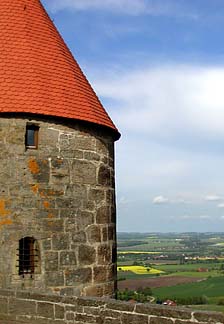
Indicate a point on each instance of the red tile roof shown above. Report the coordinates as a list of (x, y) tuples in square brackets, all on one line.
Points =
[(38, 73)]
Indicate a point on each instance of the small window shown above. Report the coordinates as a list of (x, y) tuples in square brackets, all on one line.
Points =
[(32, 136), (28, 256)]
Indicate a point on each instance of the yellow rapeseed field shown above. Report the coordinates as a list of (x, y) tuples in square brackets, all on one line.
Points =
[(139, 269)]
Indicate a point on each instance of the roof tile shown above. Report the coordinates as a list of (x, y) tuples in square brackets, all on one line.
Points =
[(38, 72)]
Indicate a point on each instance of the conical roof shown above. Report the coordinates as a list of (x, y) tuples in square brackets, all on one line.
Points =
[(38, 73)]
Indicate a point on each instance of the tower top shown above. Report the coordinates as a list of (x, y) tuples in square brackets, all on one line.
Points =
[(38, 73)]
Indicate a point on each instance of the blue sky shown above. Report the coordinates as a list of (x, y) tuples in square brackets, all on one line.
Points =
[(158, 68)]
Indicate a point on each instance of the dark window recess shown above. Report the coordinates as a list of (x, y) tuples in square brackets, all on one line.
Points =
[(32, 136), (28, 256)]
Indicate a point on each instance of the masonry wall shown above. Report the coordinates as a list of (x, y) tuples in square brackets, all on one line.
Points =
[(62, 195), (22, 307)]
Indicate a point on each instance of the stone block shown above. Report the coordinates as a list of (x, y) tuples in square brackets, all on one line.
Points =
[(75, 277), (60, 241), (83, 143), (209, 317), (103, 215), (111, 232), (39, 168), (97, 195), (76, 192), (110, 321), (104, 254), (94, 291), (54, 278), (85, 219), (79, 237), (159, 320), (86, 254), (163, 311), (68, 258), (3, 305), (83, 172), (51, 261), (22, 307), (91, 156), (104, 176), (85, 318), (102, 146), (53, 225), (45, 310), (93, 234), (136, 319), (99, 274)]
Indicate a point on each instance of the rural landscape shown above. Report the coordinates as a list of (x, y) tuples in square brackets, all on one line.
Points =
[(172, 269)]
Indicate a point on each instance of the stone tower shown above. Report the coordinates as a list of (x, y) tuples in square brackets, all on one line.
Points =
[(57, 196)]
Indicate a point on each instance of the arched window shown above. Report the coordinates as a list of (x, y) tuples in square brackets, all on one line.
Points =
[(28, 256)]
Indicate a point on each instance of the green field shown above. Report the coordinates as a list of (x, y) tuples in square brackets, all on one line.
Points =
[(197, 255), (211, 287), (188, 266)]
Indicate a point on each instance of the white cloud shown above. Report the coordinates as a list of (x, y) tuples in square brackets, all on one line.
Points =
[(129, 7), (204, 217), (167, 100), (212, 198), (160, 200)]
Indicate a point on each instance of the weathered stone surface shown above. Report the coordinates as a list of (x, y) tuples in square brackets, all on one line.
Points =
[(60, 241), (103, 215), (104, 177), (93, 233), (54, 278), (3, 305), (75, 277), (33, 308), (68, 258), (79, 237), (100, 274), (209, 317), (104, 254), (51, 262), (159, 320), (22, 307), (83, 172), (165, 311), (45, 310), (135, 319), (86, 254), (62, 195), (59, 312)]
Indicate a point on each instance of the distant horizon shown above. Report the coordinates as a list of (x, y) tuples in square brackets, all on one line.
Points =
[(196, 232)]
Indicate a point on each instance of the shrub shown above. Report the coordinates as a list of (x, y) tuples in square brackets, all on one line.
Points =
[(220, 301)]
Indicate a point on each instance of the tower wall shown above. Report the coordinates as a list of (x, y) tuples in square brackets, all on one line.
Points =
[(62, 195)]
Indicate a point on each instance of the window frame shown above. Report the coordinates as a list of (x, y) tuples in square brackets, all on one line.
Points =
[(28, 256), (35, 128)]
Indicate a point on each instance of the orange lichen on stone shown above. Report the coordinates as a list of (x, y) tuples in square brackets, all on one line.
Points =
[(50, 215), (46, 204), (33, 166), (35, 188), (3, 211), (42, 194), (5, 222)]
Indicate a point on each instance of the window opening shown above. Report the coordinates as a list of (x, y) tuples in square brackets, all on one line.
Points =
[(28, 256), (32, 136)]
